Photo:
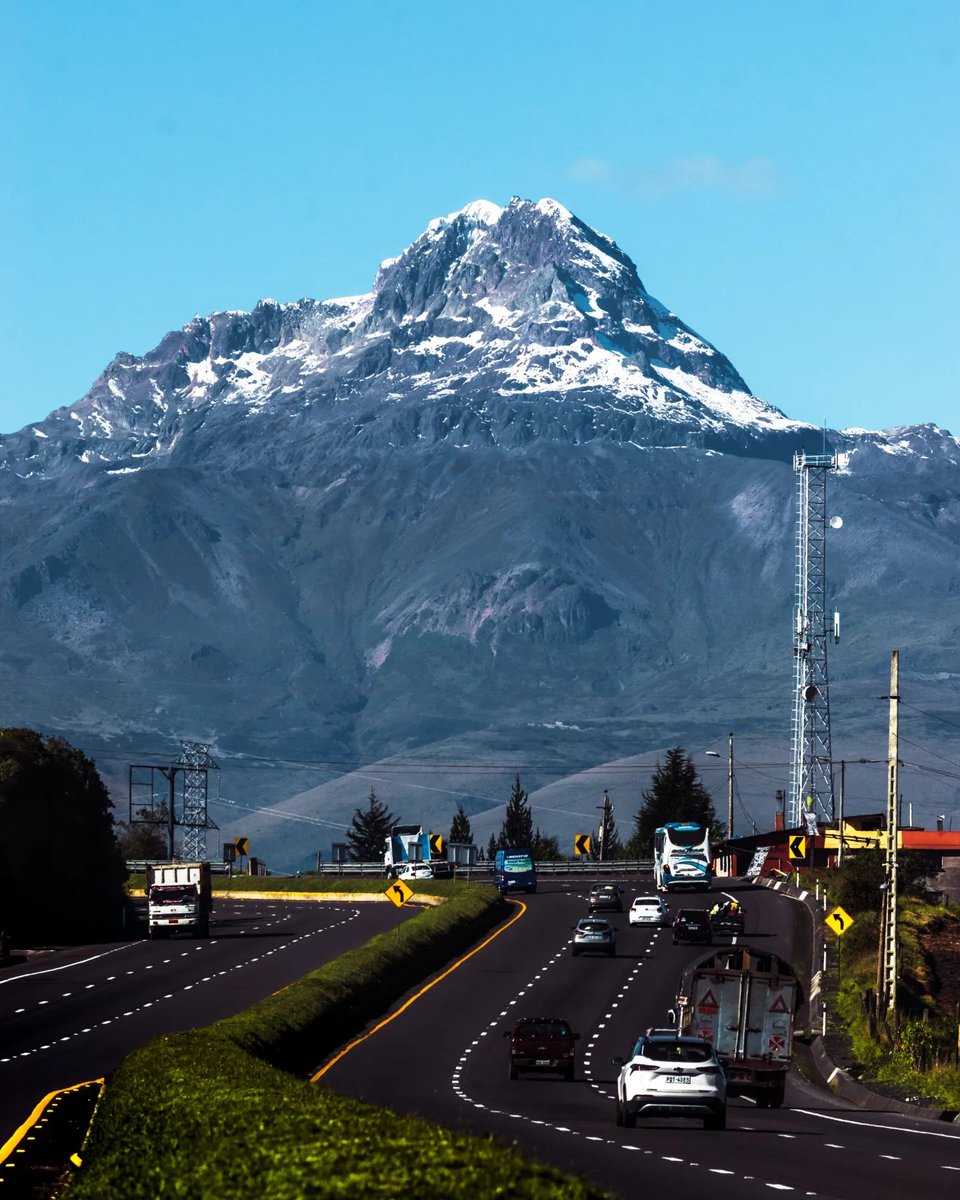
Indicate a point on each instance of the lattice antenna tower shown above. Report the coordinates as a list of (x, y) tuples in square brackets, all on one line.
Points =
[(196, 764), (811, 779)]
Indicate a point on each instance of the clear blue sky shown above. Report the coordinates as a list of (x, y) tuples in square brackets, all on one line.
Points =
[(784, 175)]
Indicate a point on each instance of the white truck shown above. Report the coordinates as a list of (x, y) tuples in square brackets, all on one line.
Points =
[(743, 1001), (178, 899)]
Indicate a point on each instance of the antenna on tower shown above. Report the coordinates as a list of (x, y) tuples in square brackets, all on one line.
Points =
[(811, 779)]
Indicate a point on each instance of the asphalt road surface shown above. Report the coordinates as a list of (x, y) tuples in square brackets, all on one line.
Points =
[(73, 1015), (445, 1058)]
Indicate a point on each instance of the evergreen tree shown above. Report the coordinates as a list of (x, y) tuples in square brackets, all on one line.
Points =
[(517, 827), (492, 848), (369, 830), (460, 831), (54, 809), (675, 794), (611, 843), (545, 848)]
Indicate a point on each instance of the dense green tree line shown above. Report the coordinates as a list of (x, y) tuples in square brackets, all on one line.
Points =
[(61, 871)]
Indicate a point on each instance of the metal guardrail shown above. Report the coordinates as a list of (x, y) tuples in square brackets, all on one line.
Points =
[(589, 870), (138, 866)]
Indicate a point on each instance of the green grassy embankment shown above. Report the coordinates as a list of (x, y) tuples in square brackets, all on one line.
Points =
[(916, 1059), (226, 1112)]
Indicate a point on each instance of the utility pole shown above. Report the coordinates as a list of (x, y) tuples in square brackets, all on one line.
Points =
[(605, 811), (843, 788), (730, 790), (888, 967)]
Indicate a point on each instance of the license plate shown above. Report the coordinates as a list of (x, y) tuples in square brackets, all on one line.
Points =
[(543, 1062), (679, 1078)]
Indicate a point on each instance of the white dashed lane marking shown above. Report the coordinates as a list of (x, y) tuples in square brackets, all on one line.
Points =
[(352, 914)]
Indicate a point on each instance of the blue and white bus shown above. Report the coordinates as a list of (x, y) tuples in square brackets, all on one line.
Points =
[(682, 860)]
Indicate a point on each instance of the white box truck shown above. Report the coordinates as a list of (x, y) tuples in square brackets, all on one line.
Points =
[(743, 1000), (178, 899)]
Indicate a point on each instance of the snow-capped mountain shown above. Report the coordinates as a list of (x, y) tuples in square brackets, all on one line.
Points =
[(504, 506), (496, 327)]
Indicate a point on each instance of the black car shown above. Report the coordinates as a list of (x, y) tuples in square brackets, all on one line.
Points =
[(692, 925), (606, 897)]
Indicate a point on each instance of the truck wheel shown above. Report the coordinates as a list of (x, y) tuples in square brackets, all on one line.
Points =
[(775, 1098), (514, 1073)]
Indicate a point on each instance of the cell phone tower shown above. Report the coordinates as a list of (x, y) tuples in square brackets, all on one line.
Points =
[(811, 778)]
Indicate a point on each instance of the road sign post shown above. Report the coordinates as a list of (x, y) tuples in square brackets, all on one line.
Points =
[(797, 848), (398, 893)]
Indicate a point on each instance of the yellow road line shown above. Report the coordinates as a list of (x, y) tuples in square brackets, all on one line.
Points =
[(416, 996), (13, 1141)]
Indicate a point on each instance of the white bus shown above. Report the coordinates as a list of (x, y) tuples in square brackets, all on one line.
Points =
[(682, 860)]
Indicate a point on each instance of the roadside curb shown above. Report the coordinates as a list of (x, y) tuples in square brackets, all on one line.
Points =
[(835, 1078)]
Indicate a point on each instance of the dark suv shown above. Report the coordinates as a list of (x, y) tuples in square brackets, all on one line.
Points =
[(692, 925), (606, 897), (542, 1044)]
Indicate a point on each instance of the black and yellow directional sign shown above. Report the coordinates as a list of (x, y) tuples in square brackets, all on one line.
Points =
[(436, 845), (797, 846), (398, 893), (242, 845), (581, 843), (838, 920)]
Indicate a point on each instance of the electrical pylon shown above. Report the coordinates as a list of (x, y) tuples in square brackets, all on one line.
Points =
[(195, 762)]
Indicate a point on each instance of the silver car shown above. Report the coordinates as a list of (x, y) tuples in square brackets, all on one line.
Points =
[(670, 1076), (594, 935)]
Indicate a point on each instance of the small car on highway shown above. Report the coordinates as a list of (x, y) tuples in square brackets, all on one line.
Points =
[(648, 910), (415, 870), (670, 1076), (692, 925), (542, 1044), (594, 935), (606, 897)]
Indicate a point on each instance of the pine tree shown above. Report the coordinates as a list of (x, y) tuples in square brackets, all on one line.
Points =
[(545, 848), (460, 832), (612, 845), (492, 848), (675, 794), (517, 827), (369, 830)]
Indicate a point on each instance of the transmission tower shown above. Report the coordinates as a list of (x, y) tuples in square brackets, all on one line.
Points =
[(195, 763), (811, 780)]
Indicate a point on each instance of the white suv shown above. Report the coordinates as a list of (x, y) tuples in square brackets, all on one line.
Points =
[(649, 910), (672, 1077)]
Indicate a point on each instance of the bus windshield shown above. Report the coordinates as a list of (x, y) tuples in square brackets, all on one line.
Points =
[(690, 836), (514, 864)]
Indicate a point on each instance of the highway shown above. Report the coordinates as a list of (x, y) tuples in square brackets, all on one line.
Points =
[(445, 1058), (73, 1015)]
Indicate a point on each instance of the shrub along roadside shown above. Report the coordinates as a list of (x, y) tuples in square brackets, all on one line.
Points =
[(209, 1113), (917, 1059)]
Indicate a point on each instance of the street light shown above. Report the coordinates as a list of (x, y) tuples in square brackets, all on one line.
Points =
[(716, 754)]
